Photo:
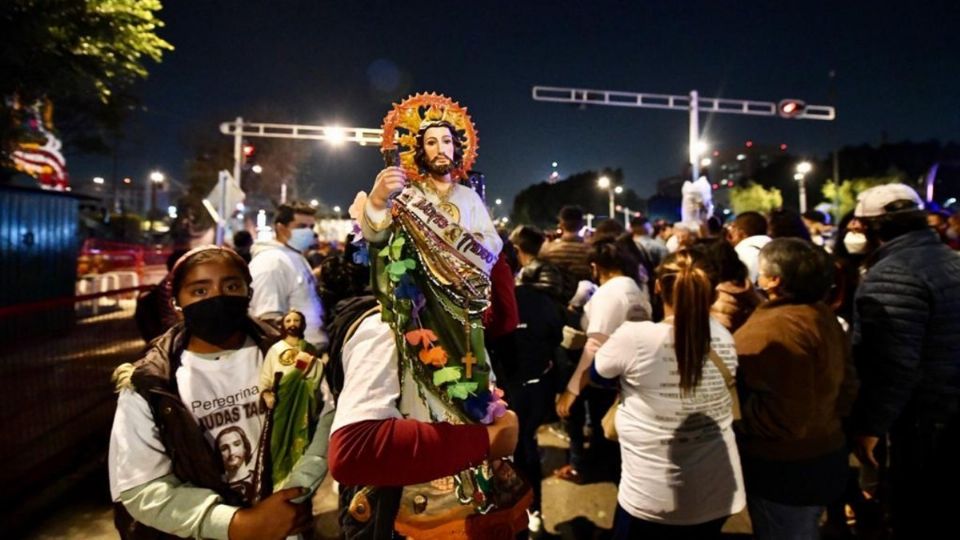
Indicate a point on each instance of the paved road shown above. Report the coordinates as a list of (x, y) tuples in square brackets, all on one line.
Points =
[(570, 511)]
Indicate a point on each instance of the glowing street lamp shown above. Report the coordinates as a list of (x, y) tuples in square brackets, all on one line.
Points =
[(257, 169), (336, 209), (803, 168), (98, 180), (156, 179), (498, 202), (604, 183), (335, 135), (314, 203)]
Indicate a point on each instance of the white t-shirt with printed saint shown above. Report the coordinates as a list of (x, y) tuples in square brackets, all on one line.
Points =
[(680, 460), (283, 281), (221, 392)]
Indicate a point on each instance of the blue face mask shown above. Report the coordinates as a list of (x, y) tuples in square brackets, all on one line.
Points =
[(300, 239)]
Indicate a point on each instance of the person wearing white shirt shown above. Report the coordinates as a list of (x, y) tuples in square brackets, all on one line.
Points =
[(186, 454), (681, 475), (748, 235), (617, 300), (282, 278)]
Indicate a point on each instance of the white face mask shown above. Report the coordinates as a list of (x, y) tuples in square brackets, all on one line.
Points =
[(300, 239), (855, 242)]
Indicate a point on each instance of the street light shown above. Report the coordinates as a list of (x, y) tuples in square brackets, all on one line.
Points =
[(98, 180), (498, 202), (336, 209), (604, 183), (156, 178), (314, 203), (335, 135), (257, 169), (803, 168)]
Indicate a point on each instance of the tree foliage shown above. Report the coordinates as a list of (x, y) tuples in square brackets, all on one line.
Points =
[(84, 55), (540, 203), (754, 198)]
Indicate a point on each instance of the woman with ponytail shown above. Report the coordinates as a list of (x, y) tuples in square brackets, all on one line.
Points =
[(681, 471)]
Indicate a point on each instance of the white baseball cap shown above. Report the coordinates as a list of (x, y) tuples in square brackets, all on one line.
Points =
[(879, 200)]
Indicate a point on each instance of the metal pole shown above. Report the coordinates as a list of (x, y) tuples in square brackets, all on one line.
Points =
[(611, 214), (694, 135), (237, 162), (283, 193), (626, 218), (589, 218), (836, 150), (803, 193)]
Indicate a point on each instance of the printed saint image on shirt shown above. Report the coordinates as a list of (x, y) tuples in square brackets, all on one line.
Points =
[(237, 454)]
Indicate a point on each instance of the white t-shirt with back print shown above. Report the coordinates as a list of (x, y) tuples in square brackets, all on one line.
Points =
[(679, 453)]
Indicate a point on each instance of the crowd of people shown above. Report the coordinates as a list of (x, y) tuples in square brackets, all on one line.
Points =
[(713, 368)]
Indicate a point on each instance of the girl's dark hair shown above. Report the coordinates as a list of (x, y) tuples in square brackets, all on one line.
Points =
[(610, 255), (785, 223), (340, 279), (686, 285), (721, 260), (202, 255)]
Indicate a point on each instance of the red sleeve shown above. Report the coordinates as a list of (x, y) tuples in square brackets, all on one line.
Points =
[(400, 452), (502, 317)]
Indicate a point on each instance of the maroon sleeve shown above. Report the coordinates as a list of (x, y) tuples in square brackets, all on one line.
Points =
[(400, 452), (502, 317)]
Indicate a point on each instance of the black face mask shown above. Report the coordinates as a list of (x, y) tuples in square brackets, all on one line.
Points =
[(217, 319)]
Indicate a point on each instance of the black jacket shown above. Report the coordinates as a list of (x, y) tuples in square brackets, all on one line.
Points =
[(907, 334), (537, 336), (548, 278)]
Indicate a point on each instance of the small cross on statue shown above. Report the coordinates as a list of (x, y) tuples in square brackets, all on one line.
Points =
[(469, 360)]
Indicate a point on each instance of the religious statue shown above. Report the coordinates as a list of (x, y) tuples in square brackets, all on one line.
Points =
[(431, 247), (289, 379)]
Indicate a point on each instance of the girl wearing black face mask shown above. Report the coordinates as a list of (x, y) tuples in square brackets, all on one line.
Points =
[(168, 476)]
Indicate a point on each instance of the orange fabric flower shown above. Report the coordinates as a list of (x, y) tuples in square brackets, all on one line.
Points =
[(434, 356), (423, 337)]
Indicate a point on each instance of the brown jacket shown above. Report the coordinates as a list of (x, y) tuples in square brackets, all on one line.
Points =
[(796, 382)]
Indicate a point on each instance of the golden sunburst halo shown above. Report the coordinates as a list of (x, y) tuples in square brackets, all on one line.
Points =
[(401, 124)]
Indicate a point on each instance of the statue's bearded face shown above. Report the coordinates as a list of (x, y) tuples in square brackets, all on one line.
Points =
[(438, 149)]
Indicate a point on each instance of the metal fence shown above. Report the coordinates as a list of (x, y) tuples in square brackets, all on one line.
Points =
[(58, 401)]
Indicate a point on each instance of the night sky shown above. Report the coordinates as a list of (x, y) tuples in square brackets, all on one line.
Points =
[(316, 62)]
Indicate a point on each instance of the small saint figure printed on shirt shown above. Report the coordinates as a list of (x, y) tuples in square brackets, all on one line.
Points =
[(237, 453)]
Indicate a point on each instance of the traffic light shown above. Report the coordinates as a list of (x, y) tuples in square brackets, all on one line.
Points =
[(791, 108), (248, 151)]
